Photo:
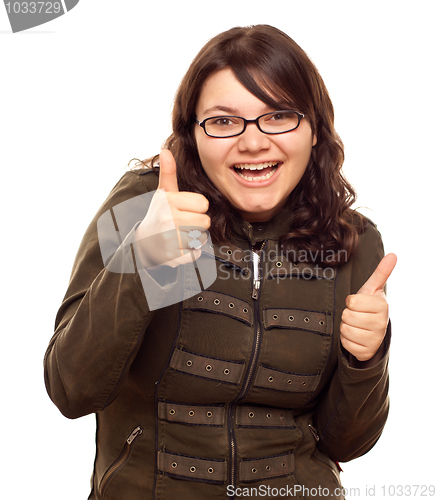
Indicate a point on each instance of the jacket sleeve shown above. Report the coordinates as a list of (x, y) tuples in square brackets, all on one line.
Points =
[(101, 323), (352, 413)]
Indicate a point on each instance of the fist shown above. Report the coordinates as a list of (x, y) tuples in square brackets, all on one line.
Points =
[(365, 318)]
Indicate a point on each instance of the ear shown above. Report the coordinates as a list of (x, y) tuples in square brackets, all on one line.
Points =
[(314, 139)]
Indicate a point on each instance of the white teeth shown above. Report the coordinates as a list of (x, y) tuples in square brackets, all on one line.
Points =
[(258, 166), (260, 178), (253, 166)]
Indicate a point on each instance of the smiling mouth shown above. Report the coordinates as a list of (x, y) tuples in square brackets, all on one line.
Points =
[(256, 172)]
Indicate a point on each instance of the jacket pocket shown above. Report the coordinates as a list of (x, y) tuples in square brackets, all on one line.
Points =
[(121, 460), (326, 463)]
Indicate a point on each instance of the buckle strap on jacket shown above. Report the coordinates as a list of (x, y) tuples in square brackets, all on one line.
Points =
[(312, 321), (283, 381), (196, 468), (264, 468), (263, 416), (211, 368), (221, 303), (246, 416), (191, 414), (192, 467)]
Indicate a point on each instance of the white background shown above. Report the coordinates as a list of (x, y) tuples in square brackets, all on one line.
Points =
[(85, 93)]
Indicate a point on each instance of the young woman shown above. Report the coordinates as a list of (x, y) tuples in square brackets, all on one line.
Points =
[(261, 382)]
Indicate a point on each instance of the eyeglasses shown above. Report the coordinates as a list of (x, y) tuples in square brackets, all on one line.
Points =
[(278, 122)]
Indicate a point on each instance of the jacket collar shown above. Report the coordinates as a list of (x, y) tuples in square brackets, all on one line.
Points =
[(259, 231)]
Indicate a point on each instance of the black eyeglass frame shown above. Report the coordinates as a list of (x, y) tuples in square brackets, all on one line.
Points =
[(300, 116)]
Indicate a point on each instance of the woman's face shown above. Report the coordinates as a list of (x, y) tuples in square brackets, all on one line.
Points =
[(256, 172)]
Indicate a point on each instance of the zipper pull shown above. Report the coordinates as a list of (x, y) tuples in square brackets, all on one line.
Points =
[(314, 432), (256, 277), (135, 433)]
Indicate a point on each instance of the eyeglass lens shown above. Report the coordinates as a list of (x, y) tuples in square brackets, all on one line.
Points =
[(272, 123)]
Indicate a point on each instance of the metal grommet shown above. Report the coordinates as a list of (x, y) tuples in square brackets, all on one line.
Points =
[(304, 384), (226, 371), (172, 412), (254, 471), (251, 414), (283, 464), (271, 379), (307, 320), (260, 228), (267, 467), (210, 470), (189, 362), (290, 318), (209, 414), (191, 413), (229, 252), (279, 264), (200, 298), (245, 272), (289, 381), (245, 310), (208, 368), (231, 305), (216, 302), (174, 465), (269, 415), (321, 322), (275, 317), (192, 469)]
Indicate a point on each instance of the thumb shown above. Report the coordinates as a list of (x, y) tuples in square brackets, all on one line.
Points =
[(380, 276), (167, 172)]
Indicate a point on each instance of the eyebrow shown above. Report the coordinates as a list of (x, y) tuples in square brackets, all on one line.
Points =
[(229, 110), (225, 109)]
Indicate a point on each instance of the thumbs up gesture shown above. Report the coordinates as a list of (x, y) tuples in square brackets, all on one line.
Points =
[(365, 318), (176, 223)]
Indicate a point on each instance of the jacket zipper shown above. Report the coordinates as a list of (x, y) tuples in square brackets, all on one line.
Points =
[(120, 461), (232, 444), (255, 293)]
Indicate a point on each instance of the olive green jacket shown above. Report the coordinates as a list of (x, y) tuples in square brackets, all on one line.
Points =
[(237, 387)]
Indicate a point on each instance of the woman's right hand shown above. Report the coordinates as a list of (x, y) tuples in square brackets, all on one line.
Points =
[(171, 217)]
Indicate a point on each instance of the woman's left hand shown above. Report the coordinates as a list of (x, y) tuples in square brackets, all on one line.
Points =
[(365, 318)]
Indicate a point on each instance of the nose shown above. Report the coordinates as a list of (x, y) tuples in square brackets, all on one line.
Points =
[(253, 140)]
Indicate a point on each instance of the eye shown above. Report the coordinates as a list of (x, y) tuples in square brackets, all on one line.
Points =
[(279, 122), (223, 126), (222, 121), (279, 116)]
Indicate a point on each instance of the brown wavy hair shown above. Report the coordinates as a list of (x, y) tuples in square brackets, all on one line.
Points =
[(278, 72)]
